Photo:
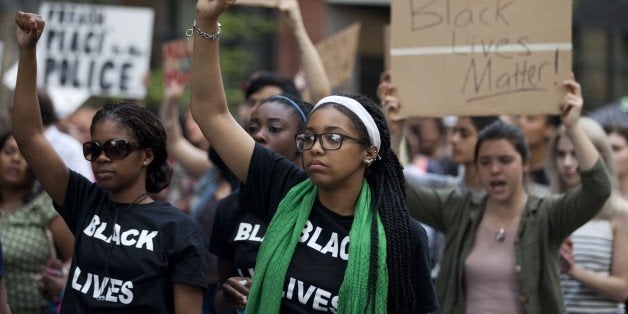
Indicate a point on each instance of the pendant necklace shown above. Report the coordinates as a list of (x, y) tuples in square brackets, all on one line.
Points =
[(501, 234)]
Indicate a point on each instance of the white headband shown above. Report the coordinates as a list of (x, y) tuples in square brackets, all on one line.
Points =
[(359, 111)]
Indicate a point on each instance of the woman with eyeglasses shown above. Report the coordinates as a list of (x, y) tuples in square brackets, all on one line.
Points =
[(131, 254), (351, 188)]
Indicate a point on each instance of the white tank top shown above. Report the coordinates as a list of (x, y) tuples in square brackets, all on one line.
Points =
[(593, 251)]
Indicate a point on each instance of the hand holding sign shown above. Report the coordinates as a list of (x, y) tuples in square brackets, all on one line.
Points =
[(571, 105), (29, 30)]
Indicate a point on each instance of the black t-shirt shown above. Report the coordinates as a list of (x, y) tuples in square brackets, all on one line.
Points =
[(131, 270), (317, 267), (237, 235)]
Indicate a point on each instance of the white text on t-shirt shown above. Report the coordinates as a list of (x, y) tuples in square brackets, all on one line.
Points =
[(248, 232), (320, 299), (334, 246), (116, 290), (131, 237)]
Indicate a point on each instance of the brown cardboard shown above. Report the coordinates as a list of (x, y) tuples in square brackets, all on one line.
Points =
[(338, 53), (480, 57)]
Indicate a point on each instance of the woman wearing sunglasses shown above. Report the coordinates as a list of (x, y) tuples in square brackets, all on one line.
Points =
[(131, 254), (352, 188)]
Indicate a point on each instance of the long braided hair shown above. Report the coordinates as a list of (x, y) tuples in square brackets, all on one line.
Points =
[(385, 177), (149, 132)]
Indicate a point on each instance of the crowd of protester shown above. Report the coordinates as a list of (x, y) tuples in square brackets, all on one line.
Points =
[(194, 209)]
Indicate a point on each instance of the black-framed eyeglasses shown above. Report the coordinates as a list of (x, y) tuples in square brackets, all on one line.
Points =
[(329, 141), (116, 148)]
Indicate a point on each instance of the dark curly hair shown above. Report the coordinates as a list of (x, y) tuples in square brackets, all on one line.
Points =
[(148, 131)]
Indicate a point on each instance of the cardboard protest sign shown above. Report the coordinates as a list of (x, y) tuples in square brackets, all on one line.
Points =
[(258, 3), (104, 50), (479, 57), (338, 53), (177, 55)]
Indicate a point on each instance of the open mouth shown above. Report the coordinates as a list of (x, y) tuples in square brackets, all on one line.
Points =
[(497, 185)]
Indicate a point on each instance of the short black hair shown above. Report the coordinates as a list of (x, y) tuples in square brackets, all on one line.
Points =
[(261, 79)]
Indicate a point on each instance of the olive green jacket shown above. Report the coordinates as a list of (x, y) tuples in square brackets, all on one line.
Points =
[(545, 223)]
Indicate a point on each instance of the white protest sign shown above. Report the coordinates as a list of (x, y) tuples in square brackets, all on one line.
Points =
[(65, 99), (480, 57), (104, 50)]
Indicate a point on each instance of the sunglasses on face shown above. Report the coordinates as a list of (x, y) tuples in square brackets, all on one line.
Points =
[(116, 148)]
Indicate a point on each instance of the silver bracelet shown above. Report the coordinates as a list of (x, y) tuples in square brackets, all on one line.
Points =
[(201, 33)]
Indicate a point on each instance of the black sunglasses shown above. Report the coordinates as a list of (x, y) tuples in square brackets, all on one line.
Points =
[(116, 148)]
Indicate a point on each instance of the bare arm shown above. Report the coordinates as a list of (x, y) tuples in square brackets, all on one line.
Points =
[(315, 75), (615, 285), (207, 97), (187, 299), (570, 111), (194, 160), (63, 238), (28, 130)]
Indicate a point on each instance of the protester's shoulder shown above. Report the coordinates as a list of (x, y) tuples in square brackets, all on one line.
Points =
[(164, 212), (264, 158), (620, 212), (261, 153), (418, 233), (45, 205), (41, 199), (227, 208), (229, 200)]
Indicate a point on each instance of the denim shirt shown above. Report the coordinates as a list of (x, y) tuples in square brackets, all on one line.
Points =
[(544, 224)]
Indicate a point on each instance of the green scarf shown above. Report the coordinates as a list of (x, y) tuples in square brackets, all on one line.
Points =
[(281, 239)]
